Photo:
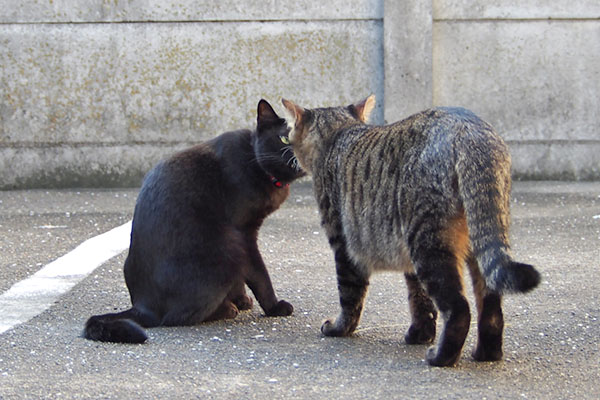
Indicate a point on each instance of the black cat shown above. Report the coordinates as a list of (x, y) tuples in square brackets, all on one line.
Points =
[(194, 234)]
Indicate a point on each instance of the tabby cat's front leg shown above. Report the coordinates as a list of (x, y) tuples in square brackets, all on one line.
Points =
[(352, 286)]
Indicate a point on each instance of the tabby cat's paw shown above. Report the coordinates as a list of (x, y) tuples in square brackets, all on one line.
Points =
[(421, 334), (480, 354), (436, 359), (330, 328), (281, 309)]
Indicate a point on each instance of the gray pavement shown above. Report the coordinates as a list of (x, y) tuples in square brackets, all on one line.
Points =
[(551, 337)]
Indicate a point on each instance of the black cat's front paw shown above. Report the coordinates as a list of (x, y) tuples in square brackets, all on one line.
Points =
[(281, 309)]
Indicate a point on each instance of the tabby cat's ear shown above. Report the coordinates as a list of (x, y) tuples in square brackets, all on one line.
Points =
[(294, 113), (265, 113), (363, 109)]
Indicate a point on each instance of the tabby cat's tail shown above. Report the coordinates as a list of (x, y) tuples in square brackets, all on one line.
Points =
[(485, 190), (123, 327)]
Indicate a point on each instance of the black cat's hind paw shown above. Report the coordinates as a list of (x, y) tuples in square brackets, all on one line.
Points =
[(243, 302), (281, 309), (227, 310)]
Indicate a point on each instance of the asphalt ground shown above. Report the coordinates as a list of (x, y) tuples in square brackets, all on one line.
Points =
[(551, 344)]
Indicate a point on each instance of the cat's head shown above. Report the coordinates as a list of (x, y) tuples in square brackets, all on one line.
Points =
[(272, 146), (311, 129)]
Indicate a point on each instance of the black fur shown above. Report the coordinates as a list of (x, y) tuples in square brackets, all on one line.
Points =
[(194, 234)]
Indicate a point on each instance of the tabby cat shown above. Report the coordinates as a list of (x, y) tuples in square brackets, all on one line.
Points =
[(194, 234), (425, 196)]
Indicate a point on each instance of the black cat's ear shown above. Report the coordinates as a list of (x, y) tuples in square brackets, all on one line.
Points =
[(294, 113), (265, 114), (362, 110)]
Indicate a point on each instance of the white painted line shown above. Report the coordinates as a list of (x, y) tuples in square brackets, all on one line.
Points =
[(31, 296)]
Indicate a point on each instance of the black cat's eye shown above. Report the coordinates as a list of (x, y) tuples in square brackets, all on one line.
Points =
[(284, 139)]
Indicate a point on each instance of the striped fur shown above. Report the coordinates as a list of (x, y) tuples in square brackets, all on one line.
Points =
[(424, 196)]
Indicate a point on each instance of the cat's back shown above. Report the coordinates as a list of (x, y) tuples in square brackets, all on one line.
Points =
[(184, 187), (457, 128), (430, 138), (201, 184), (422, 150), (439, 122), (195, 170), (182, 174)]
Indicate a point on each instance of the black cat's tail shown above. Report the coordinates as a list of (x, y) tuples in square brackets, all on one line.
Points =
[(123, 327), (484, 186)]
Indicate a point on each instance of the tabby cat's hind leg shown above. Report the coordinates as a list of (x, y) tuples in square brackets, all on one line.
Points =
[(438, 270), (352, 287), (490, 319), (423, 313)]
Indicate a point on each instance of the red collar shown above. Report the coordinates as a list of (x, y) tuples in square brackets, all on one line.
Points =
[(277, 183)]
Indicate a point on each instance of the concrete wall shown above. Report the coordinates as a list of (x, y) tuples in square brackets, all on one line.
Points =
[(532, 69), (93, 93)]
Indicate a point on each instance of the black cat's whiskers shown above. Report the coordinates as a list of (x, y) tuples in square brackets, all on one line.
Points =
[(285, 150), (265, 157), (295, 165), (293, 161)]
